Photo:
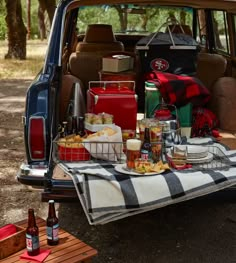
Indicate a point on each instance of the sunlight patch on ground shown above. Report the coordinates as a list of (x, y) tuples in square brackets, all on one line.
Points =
[(12, 99), (24, 69), (7, 106)]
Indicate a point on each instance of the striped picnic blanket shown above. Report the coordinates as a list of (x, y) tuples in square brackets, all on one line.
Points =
[(107, 195)]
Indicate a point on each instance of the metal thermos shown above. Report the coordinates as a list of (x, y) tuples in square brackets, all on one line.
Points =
[(76, 107), (78, 101)]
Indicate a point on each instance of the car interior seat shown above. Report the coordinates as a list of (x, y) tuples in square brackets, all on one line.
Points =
[(211, 71), (223, 102), (210, 67), (86, 61)]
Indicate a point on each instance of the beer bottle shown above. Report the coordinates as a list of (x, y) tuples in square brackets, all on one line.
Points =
[(52, 225), (146, 147), (65, 129), (32, 235), (81, 129), (74, 129)]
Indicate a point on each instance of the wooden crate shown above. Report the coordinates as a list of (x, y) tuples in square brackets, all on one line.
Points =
[(13, 243)]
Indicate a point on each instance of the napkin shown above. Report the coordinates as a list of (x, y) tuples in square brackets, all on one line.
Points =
[(106, 147), (39, 258), (178, 167)]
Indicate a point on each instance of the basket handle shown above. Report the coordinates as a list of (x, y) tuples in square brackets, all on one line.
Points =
[(169, 21)]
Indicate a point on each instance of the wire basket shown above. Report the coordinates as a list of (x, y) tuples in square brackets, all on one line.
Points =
[(219, 160), (87, 151), (96, 151), (215, 159)]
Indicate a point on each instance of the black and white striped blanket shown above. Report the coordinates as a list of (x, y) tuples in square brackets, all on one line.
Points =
[(107, 195)]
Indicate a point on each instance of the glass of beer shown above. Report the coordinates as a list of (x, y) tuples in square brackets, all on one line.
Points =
[(133, 152), (155, 130), (142, 124)]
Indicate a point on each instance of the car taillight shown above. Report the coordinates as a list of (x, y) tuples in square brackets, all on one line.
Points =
[(37, 138)]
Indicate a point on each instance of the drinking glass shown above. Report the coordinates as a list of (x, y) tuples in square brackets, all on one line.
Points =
[(132, 151)]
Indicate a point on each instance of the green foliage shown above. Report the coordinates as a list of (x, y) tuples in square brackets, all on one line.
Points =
[(34, 18), (3, 28), (150, 21), (34, 30), (95, 15)]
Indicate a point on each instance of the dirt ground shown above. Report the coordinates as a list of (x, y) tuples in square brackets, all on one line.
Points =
[(198, 231)]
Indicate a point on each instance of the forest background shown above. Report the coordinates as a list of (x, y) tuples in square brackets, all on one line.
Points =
[(23, 20)]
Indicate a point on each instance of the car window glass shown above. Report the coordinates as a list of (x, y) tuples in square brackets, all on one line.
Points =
[(201, 27), (133, 19), (220, 31), (234, 28)]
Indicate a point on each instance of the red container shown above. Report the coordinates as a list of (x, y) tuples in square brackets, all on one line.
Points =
[(73, 154), (116, 98), (120, 76)]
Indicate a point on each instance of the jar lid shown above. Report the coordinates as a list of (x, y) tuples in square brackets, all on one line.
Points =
[(150, 84), (163, 114)]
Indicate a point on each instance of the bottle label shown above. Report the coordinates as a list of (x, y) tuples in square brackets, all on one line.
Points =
[(145, 154), (32, 242), (52, 232)]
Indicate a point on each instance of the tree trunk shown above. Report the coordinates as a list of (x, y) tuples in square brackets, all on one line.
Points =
[(42, 27), (29, 18), (49, 6), (16, 30)]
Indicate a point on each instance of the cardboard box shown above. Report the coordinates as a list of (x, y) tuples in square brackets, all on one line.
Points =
[(117, 63), (13, 243)]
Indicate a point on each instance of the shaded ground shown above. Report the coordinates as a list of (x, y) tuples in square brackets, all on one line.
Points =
[(15, 198), (198, 231)]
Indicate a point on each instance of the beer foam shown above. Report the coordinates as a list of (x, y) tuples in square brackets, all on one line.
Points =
[(133, 144)]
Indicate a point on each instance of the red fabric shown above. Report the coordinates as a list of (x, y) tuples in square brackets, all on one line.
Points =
[(7, 231), (39, 258), (179, 90), (204, 123)]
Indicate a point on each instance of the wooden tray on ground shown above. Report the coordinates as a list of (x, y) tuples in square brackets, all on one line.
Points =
[(13, 243)]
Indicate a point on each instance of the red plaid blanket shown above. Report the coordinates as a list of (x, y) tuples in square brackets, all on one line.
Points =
[(179, 90)]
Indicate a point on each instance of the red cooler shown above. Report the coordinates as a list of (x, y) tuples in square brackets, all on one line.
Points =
[(114, 97)]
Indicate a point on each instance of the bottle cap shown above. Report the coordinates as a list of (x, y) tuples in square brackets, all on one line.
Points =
[(51, 201)]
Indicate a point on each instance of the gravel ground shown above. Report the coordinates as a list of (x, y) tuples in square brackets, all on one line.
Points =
[(198, 231)]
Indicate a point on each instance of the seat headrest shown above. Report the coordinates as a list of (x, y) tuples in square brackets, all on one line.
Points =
[(99, 33)]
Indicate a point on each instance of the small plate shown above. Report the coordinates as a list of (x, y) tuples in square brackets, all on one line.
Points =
[(205, 159), (121, 168), (194, 151)]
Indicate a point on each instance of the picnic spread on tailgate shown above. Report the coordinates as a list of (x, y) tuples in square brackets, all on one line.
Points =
[(123, 164)]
